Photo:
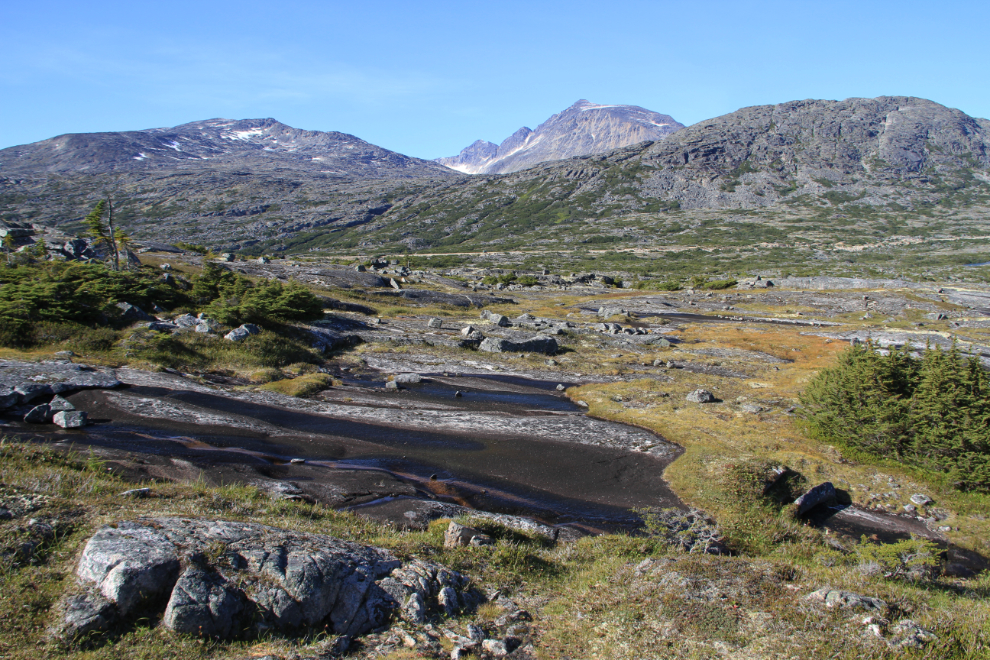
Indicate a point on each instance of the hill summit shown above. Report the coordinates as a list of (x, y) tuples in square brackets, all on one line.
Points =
[(584, 128)]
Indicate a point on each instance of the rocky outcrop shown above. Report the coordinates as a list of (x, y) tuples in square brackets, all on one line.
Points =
[(34, 380), (544, 345), (224, 579)]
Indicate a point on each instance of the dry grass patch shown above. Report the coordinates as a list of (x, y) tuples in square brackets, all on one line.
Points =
[(719, 437)]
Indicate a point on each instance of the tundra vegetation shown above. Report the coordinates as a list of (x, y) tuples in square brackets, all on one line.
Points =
[(644, 594)]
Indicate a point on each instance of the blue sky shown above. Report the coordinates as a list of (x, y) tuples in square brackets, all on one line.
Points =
[(428, 78)]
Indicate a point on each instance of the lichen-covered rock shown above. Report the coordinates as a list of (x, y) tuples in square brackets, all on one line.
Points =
[(204, 603), (221, 578), (701, 396), (83, 614), (832, 598), (70, 419)]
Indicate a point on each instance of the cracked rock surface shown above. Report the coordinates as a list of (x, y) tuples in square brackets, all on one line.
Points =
[(226, 579)]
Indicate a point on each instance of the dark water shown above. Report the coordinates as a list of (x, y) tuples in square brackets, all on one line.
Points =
[(520, 474)]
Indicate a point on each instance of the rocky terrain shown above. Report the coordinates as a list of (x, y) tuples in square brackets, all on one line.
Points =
[(599, 449), (584, 128)]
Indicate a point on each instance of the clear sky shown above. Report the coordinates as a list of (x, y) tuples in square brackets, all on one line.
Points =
[(428, 78)]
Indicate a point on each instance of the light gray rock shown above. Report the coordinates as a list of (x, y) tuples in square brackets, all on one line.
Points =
[(921, 500), (434, 323), (820, 494), (281, 578), (70, 419), (407, 379), (458, 536), (34, 380), (242, 332), (701, 396), (203, 328), (185, 321), (544, 345), (130, 564), (496, 319), (60, 404)]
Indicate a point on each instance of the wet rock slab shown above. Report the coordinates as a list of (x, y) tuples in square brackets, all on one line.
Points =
[(34, 380), (224, 579)]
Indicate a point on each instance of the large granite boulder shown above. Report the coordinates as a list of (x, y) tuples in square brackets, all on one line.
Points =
[(544, 345), (223, 579)]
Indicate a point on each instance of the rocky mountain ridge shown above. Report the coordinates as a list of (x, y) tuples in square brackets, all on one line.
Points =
[(582, 129), (251, 144), (834, 163)]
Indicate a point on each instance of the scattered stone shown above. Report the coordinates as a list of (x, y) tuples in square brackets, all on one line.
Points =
[(435, 323), (395, 285), (751, 408), (266, 260), (550, 363), (242, 332), (297, 461), (58, 404), (467, 331), (820, 494), (497, 319), (408, 379), (458, 394), (921, 500), (458, 536), (70, 419), (136, 492), (203, 328), (227, 256), (185, 321), (907, 633), (391, 385), (701, 396), (846, 600), (166, 267), (561, 387), (64, 354)]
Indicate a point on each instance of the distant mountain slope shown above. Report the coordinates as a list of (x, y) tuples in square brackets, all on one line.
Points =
[(248, 144), (860, 166), (582, 129)]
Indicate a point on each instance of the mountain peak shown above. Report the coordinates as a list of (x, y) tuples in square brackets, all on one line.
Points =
[(581, 129)]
